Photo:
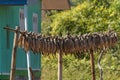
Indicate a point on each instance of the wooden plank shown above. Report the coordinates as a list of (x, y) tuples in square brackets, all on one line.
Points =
[(14, 51), (14, 30), (92, 65)]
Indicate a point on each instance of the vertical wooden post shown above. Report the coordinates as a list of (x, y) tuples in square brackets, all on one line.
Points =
[(92, 65), (32, 74), (99, 65), (14, 51), (60, 65)]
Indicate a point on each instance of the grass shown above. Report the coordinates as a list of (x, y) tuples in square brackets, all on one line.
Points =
[(80, 69)]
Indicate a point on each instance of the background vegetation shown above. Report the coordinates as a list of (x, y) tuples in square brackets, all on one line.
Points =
[(85, 16)]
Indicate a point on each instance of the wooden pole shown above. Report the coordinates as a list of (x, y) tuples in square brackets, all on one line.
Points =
[(14, 51), (99, 65), (92, 65), (60, 65), (32, 74)]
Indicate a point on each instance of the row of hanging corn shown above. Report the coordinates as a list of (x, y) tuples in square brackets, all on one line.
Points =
[(69, 44)]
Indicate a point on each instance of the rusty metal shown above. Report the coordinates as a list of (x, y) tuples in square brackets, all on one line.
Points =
[(55, 4)]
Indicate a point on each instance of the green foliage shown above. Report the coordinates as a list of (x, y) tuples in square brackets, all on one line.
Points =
[(74, 69), (87, 17), (84, 17)]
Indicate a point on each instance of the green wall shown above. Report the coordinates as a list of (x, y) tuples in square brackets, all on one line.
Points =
[(9, 15), (3, 49)]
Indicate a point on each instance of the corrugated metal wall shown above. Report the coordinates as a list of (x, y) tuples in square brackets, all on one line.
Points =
[(4, 50), (9, 15)]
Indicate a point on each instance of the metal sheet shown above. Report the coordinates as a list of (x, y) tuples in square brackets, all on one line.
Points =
[(10, 15), (55, 4)]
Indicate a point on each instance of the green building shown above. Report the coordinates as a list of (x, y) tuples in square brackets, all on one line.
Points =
[(12, 15)]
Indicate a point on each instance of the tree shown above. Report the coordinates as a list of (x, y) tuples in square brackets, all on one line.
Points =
[(86, 17)]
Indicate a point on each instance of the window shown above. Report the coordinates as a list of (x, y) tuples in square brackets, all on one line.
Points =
[(21, 19), (35, 22)]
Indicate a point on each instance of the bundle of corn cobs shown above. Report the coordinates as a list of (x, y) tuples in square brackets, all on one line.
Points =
[(69, 44)]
